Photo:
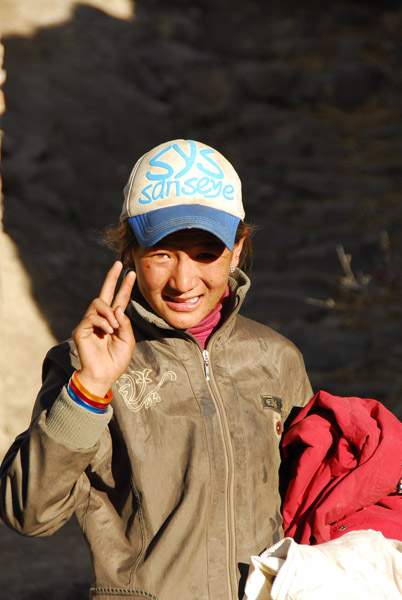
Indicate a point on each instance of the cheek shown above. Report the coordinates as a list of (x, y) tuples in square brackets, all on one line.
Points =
[(150, 280), (142, 278), (218, 280)]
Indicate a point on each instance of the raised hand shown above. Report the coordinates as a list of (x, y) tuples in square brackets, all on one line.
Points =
[(104, 338)]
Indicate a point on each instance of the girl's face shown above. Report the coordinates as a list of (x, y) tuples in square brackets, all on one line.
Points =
[(184, 276)]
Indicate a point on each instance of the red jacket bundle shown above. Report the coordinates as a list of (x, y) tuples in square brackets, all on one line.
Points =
[(342, 462)]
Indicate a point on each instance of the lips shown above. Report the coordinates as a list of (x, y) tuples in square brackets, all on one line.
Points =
[(182, 304)]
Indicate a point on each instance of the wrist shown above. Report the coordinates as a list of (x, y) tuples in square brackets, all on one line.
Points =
[(91, 386), (82, 396)]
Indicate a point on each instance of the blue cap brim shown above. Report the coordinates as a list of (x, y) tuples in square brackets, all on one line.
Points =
[(152, 226)]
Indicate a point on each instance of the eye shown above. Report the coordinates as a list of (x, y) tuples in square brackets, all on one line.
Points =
[(159, 255), (206, 256)]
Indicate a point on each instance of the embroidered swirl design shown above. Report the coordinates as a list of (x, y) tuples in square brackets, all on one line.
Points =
[(133, 388)]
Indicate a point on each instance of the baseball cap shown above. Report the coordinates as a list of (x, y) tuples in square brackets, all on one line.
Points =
[(183, 184)]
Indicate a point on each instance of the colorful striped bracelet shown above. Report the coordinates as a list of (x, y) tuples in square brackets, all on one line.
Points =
[(83, 397), (76, 392), (87, 394), (83, 403)]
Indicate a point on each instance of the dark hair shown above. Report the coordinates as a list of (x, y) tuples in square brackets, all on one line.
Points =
[(121, 240), (246, 231)]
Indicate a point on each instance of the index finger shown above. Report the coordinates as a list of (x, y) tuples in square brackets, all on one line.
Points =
[(109, 285)]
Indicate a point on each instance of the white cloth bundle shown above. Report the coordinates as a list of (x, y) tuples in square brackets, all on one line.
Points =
[(360, 564)]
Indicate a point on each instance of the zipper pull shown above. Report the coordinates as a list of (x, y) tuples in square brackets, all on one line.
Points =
[(205, 356)]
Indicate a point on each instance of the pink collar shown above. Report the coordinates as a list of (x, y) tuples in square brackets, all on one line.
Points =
[(204, 328)]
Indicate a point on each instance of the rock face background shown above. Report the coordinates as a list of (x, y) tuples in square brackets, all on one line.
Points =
[(306, 103)]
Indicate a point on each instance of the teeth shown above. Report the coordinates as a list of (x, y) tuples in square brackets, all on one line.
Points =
[(189, 301)]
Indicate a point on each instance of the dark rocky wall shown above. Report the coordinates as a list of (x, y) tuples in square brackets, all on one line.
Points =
[(305, 101)]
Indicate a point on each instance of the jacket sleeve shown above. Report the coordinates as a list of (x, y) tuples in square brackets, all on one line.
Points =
[(304, 391), (42, 477), (295, 379)]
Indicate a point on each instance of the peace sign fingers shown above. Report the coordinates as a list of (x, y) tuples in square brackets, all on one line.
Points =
[(104, 338), (123, 296), (108, 299), (109, 285)]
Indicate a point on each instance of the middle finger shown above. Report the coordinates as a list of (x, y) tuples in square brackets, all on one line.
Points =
[(124, 294)]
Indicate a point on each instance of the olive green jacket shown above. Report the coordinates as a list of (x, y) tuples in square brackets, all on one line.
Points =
[(176, 486)]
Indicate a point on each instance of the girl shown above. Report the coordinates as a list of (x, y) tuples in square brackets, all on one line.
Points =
[(159, 423)]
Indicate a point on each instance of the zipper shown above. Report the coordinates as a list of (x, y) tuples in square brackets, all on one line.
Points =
[(205, 356), (255, 584), (259, 591), (229, 464)]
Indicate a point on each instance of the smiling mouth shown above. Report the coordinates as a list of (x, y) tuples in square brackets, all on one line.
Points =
[(181, 301)]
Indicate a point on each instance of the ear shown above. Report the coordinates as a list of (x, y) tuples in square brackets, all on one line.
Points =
[(129, 258), (237, 248)]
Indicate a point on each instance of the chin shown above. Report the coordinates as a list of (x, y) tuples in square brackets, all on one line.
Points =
[(183, 325), (180, 323)]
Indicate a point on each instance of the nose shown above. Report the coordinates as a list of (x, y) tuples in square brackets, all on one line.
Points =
[(184, 274)]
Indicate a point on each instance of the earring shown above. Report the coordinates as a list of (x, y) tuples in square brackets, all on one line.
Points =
[(232, 270)]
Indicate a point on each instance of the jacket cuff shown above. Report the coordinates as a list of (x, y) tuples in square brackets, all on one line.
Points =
[(75, 425)]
